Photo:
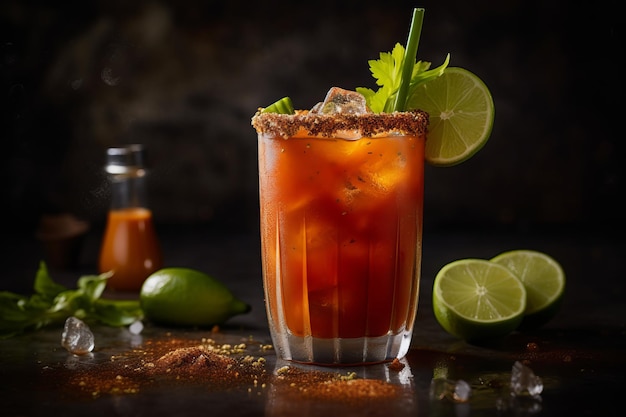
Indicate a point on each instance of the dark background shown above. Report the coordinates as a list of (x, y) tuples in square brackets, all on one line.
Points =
[(185, 77)]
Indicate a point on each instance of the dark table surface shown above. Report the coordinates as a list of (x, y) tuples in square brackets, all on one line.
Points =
[(579, 354)]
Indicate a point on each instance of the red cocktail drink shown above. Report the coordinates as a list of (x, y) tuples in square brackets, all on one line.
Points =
[(341, 200)]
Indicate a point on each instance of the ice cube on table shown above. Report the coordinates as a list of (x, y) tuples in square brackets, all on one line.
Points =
[(456, 390), (340, 101), (524, 381), (77, 337)]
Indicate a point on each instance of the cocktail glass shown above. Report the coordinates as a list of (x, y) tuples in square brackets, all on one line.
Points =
[(341, 200)]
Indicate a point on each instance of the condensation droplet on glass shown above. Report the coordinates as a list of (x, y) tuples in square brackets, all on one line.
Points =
[(108, 77)]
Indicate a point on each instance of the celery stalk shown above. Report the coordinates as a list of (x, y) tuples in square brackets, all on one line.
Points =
[(410, 56)]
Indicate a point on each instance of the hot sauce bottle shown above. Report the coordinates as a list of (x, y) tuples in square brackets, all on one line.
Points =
[(130, 248)]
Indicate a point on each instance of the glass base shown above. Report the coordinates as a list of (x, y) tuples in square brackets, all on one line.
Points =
[(353, 351)]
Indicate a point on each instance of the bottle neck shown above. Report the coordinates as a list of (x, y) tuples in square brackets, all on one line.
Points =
[(128, 192)]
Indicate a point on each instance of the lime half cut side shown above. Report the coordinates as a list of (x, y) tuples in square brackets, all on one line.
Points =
[(544, 280), (475, 299), (461, 111)]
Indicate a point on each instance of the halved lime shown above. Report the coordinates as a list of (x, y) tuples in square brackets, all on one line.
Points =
[(475, 299), (461, 113), (544, 280)]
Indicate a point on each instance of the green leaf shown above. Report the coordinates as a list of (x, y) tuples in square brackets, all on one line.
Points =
[(36, 302), (44, 285), (420, 67), (53, 303), (93, 285), (383, 99), (377, 101), (18, 313), (12, 306), (387, 70), (69, 301), (118, 312), (388, 73), (424, 74)]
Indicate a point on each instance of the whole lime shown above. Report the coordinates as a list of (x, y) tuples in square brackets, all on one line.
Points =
[(188, 297)]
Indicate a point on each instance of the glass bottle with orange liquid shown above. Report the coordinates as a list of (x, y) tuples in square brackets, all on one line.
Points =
[(130, 247)]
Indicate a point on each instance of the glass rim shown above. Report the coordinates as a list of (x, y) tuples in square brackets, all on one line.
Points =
[(410, 123)]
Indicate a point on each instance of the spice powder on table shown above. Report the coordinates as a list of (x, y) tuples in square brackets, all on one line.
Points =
[(297, 383), (171, 360), (174, 360)]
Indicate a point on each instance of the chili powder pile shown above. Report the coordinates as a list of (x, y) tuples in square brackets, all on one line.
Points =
[(169, 360)]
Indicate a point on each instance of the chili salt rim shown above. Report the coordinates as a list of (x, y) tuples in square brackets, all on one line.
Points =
[(414, 122)]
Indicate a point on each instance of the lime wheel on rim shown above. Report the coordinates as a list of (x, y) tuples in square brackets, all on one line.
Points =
[(461, 111)]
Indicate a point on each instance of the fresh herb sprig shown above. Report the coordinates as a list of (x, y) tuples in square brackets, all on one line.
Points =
[(52, 303), (398, 74)]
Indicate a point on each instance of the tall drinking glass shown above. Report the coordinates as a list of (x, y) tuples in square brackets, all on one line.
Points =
[(341, 199)]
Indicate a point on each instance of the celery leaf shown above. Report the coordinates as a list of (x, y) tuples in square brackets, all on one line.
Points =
[(387, 71)]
